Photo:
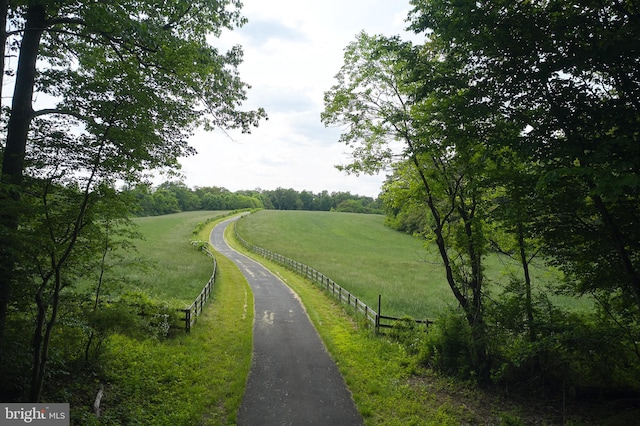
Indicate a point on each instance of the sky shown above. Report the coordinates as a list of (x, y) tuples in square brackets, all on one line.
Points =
[(292, 51)]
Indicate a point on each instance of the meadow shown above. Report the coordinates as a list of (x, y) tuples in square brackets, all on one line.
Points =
[(369, 259), (170, 271)]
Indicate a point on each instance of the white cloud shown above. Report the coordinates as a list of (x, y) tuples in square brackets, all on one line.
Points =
[(292, 50)]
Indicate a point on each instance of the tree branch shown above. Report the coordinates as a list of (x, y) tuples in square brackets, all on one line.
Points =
[(65, 20), (48, 111)]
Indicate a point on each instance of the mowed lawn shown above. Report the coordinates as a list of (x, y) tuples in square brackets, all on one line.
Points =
[(369, 259)]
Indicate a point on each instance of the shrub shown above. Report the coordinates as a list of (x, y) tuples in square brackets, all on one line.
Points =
[(568, 350), (448, 346), (155, 317), (408, 333)]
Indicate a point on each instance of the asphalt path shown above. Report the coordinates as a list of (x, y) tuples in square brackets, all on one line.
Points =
[(293, 380)]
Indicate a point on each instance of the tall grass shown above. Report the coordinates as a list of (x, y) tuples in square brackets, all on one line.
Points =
[(369, 259), (171, 272)]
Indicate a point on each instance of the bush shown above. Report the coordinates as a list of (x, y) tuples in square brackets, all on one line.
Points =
[(567, 350), (155, 317), (409, 333), (448, 346)]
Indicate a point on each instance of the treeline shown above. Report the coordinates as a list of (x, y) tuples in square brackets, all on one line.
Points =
[(176, 196)]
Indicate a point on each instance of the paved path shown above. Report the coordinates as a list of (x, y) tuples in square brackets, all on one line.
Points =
[(293, 380)]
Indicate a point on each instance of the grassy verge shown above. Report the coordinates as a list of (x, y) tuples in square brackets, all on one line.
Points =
[(386, 384), (197, 378)]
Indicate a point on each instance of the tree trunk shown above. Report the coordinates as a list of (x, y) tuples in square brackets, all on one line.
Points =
[(528, 302), (4, 11), (41, 342), (15, 148), (625, 257), (475, 310)]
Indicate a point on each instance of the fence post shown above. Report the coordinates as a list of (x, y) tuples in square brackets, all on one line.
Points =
[(377, 327), (187, 324)]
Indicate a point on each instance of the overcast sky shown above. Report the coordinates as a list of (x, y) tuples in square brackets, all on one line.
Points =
[(292, 50)]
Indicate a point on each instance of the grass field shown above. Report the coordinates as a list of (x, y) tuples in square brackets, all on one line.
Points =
[(357, 252), (369, 259), (171, 271)]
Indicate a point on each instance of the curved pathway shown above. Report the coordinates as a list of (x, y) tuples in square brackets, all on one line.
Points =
[(293, 380)]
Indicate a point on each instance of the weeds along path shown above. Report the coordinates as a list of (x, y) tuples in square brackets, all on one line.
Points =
[(292, 380)]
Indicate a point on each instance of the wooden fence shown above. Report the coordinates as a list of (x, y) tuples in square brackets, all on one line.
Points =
[(191, 313), (378, 321)]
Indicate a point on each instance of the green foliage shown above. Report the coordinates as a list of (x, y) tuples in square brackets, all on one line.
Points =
[(409, 333), (575, 141), (354, 206), (520, 138), (448, 346), (395, 103), (158, 317), (508, 419), (128, 82), (172, 197), (579, 349), (370, 101)]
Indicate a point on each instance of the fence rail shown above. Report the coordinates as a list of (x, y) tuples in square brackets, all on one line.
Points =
[(343, 296), (191, 313)]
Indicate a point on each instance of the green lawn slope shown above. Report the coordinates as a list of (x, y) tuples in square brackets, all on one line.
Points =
[(359, 253), (369, 259)]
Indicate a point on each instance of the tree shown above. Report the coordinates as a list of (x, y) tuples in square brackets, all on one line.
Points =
[(408, 105), (67, 229), (187, 199), (134, 78), (285, 199), (164, 202), (512, 219), (566, 74), (306, 198), (113, 231), (130, 82)]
